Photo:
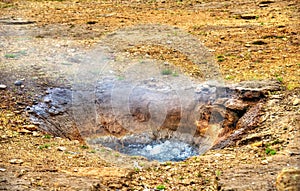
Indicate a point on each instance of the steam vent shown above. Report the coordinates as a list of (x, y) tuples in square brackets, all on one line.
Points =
[(140, 105)]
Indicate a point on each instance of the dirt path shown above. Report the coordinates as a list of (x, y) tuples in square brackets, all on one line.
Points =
[(249, 40)]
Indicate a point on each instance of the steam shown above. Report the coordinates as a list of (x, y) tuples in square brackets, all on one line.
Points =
[(129, 77), (122, 80)]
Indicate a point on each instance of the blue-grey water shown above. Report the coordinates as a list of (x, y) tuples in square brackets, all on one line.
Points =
[(160, 150)]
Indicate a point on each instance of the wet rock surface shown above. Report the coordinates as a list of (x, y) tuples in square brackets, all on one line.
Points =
[(224, 114), (54, 114)]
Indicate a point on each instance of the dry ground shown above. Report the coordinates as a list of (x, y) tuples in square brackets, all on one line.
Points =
[(250, 40)]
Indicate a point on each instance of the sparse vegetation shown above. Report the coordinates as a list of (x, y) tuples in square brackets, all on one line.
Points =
[(270, 151), (47, 136), (10, 56), (279, 79), (44, 146), (160, 187), (221, 58), (218, 173), (228, 77), (92, 151), (84, 146), (121, 77), (175, 74), (166, 72)]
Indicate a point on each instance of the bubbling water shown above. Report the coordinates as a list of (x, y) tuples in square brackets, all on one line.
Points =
[(143, 145)]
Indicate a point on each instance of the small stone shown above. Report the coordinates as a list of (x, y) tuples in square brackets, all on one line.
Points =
[(257, 144), (3, 136), (263, 5), (2, 169), (18, 83), (264, 162), (296, 101), (3, 87), (30, 127), (47, 100), (36, 134), (169, 42), (247, 45), (276, 96), (61, 148), (24, 131), (218, 155), (16, 161)]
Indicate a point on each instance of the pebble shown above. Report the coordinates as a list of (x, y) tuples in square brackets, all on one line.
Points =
[(169, 42), (218, 155), (264, 162), (263, 5), (2, 169), (47, 100), (257, 144), (24, 131), (30, 127), (296, 101), (3, 87), (16, 161), (36, 134), (18, 83), (61, 148)]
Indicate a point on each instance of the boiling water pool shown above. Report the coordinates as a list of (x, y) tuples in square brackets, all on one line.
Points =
[(160, 150)]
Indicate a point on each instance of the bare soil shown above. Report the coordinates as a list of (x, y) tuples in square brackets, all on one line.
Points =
[(250, 40)]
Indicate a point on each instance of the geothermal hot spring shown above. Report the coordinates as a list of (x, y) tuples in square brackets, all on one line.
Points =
[(135, 103)]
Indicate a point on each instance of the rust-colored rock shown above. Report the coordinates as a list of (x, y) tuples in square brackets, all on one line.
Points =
[(225, 110)]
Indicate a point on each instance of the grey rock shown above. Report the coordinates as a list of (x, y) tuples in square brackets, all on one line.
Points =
[(3, 87), (18, 83)]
